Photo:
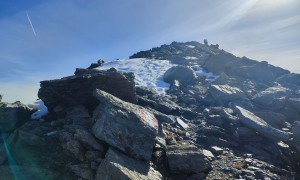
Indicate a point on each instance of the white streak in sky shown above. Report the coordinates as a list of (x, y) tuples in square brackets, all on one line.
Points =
[(30, 23)]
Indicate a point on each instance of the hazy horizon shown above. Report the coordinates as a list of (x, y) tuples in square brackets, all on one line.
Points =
[(49, 39)]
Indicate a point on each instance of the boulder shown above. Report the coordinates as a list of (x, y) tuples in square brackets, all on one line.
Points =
[(117, 165), (13, 115), (267, 96), (125, 126), (187, 159), (254, 122), (78, 89), (185, 75), (224, 93)]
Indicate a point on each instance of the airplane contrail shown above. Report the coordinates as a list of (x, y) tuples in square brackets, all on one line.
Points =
[(30, 24)]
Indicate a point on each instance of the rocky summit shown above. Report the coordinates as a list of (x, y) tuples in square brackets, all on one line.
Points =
[(221, 117)]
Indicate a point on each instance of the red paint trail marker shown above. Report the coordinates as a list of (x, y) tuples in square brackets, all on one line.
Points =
[(148, 118)]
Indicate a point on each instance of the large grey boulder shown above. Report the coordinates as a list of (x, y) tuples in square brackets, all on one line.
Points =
[(186, 159), (78, 89), (267, 96), (117, 165), (185, 75), (13, 115), (259, 125), (225, 93), (125, 126)]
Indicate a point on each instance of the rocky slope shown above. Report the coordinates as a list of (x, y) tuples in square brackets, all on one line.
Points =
[(242, 125)]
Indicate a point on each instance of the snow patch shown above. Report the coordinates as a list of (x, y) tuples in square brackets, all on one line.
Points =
[(190, 58), (210, 77), (190, 46), (148, 72), (41, 109)]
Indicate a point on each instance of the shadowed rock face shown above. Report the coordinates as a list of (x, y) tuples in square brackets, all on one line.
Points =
[(78, 89), (13, 115)]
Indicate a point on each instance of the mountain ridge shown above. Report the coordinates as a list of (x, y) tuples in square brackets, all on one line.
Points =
[(238, 120)]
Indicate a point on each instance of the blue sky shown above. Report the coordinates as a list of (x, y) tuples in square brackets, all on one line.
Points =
[(74, 33)]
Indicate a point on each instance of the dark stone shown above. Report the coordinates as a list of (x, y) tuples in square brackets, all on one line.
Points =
[(13, 115), (183, 74), (186, 159), (119, 166), (223, 94), (78, 89)]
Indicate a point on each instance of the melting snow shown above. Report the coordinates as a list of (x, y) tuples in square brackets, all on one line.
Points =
[(190, 58), (208, 75), (190, 46), (40, 108), (148, 72)]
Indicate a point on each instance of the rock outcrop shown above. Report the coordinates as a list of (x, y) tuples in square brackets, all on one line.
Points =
[(12, 115), (78, 89)]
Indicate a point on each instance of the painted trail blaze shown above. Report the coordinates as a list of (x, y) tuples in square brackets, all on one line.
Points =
[(148, 118)]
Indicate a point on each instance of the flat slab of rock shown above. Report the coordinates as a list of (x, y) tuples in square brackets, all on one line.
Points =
[(254, 122), (225, 93), (267, 96), (125, 126), (119, 166), (78, 89), (187, 159)]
